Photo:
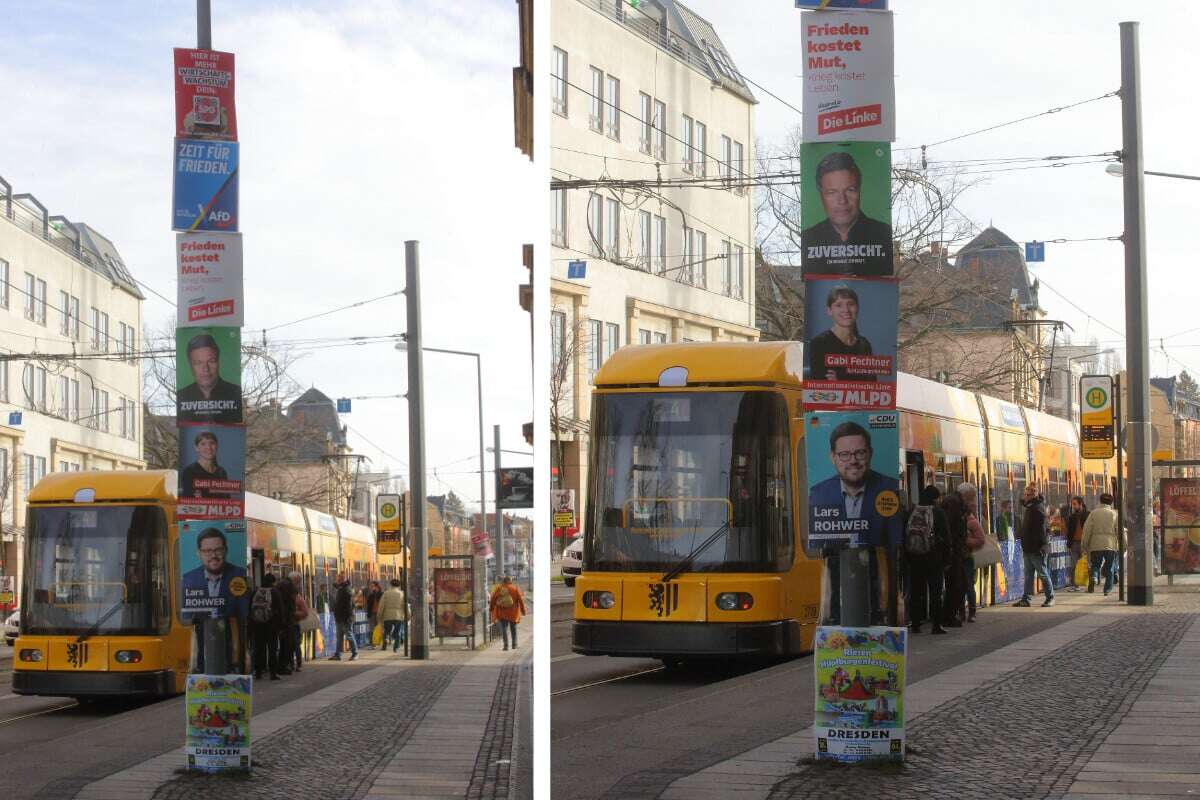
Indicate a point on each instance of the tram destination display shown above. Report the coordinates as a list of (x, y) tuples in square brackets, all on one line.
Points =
[(860, 677)]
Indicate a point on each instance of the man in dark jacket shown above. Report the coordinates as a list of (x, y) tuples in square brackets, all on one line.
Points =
[(956, 556), (926, 572), (266, 620), (287, 642), (1035, 546), (343, 617)]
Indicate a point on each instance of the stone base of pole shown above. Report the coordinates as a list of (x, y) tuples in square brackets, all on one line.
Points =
[(1139, 595), (420, 652)]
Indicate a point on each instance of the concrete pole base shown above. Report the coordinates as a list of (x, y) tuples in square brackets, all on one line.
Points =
[(420, 652), (1139, 596)]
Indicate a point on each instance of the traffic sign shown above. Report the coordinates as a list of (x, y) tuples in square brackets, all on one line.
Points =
[(576, 270), (1035, 251), (1096, 419), (387, 512), (343, 405), (14, 418)]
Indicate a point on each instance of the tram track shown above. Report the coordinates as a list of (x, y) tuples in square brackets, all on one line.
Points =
[(43, 711), (614, 679)]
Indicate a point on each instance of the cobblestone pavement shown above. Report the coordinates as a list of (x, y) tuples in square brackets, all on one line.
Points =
[(335, 752), (1026, 734), (490, 778)]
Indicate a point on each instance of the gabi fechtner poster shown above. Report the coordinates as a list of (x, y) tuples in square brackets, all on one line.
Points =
[(208, 374), (853, 478), (846, 209), (218, 722), (859, 711), (212, 472), (850, 343)]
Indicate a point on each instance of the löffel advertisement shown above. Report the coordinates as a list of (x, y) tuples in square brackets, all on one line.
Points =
[(1181, 525), (218, 722), (860, 693)]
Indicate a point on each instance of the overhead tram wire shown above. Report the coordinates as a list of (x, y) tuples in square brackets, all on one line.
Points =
[(359, 304)]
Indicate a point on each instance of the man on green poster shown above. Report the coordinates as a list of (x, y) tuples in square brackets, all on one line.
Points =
[(847, 241), (209, 398)]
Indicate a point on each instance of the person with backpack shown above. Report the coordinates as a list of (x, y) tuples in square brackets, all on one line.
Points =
[(1035, 547), (266, 620), (925, 543), (507, 605), (343, 618)]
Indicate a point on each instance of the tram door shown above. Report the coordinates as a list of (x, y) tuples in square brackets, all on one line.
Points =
[(914, 475), (258, 560)]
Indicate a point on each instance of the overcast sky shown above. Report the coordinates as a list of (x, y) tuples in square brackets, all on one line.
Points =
[(963, 65), (362, 123)]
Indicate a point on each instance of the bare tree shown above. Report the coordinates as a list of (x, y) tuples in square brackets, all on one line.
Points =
[(564, 355)]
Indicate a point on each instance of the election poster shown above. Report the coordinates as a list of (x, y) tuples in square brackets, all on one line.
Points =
[(204, 106), (205, 189), (850, 343), (1181, 525), (860, 676), (846, 208), (849, 76), (213, 569), (563, 503), (210, 279), (208, 375), (218, 722), (212, 480), (853, 478)]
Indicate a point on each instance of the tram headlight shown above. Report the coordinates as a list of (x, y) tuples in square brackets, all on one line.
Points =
[(735, 601), (31, 655), (129, 656), (599, 600)]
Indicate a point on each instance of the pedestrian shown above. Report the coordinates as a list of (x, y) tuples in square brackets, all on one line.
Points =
[(266, 618), (975, 542), (287, 624), (507, 605), (302, 612), (1076, 520), (393, 613), (1035, 546), (956, 560), (343, 618), (926, 570), (1100, 543), (371, 598)]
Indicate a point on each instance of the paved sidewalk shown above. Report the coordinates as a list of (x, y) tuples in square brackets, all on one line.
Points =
[(442, 728), (1103, 705)]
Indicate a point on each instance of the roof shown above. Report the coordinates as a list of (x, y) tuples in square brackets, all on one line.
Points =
[(99, 253), (704, 37), (999, 262), (705, 362), (314, 410), (123, 485)]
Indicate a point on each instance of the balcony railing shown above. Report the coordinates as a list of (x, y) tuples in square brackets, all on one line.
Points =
[(652, 31)]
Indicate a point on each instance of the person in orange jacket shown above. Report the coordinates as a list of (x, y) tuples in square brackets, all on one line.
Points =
[(507, 605)]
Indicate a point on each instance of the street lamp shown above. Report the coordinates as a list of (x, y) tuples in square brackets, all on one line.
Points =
[(1117, 169), (403, 346)]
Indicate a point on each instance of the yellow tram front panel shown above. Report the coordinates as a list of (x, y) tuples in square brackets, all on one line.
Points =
[(67, 654)]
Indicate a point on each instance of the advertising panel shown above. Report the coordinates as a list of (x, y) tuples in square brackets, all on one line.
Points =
[(849, 83), (210, 279), (205, 191), (563, 503), (212, 482), (204, 105), (482, 543), (452, 595), (212, 566), (850, 343), (1181, 525), (853, 478), (514, 487), (208, 375), (218, 722), (846, 208), (860, 693)]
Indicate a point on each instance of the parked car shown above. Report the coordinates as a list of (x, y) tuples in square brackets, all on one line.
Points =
[(10, 627), (572, 561)]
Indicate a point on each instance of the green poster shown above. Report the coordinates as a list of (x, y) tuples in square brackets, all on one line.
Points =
[(860, 693), (208, 375), (846, 208)]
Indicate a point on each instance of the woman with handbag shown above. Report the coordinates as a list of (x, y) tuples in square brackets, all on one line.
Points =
[(306, 619), (975, 542)]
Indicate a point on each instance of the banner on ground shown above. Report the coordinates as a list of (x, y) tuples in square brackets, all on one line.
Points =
[(208, 375), (218, 722), (1181, 525), (210, 279), (849, 83), (860, 693), (853, 478), (212, 480), (846, 208), (850, 343), (212, 565), (205, 190), (204, 97)]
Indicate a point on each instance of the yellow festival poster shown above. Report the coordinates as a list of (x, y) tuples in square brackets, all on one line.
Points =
[(859, 712), (218, 722)]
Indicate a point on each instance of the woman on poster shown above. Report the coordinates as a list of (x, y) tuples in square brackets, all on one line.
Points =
[(842, 338)]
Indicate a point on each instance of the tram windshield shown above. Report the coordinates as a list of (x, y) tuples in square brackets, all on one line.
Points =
[(96, 570), (670, 469)]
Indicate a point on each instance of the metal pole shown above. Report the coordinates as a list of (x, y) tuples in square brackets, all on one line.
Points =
[(500, 573), (855, 586), (203, 25), (1137, 339), (1120, 431), (482, 469), (416, 454)]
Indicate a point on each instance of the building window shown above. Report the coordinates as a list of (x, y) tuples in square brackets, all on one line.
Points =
[(689, 141), (660, 244), (612, 120), (103, 410), (74, 317), (103, 332), (646, 136), (660, 130), (596, 223), (660, 338), (595, 346), (643, 336), (4, 482), (128, 342), (123, 422), (700, 260), (3, 381), (64, 396), (558, 338), (64, 313), (40, 462), (596, 107), (737, 168), (612, 338), (131, 425), (33, 380), (558, 82), (95, 326), (739, 266), (726, 157), (701, 148), (558, 217), (683, 271), (30, 281), (40, 300), (612, 230), (726, 268), (27, 472), (93, 419), (3, 285), (645, 239)]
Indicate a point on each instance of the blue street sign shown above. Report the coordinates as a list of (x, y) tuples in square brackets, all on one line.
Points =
[(576, 270), (880, 5), (1035, 251), (14, 418), (343, 405)]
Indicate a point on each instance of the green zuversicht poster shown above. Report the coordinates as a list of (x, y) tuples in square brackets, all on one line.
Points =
[(846, 208), (208, 375)]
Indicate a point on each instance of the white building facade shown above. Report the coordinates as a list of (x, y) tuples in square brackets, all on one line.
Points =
[(70, 375), (651, 134)]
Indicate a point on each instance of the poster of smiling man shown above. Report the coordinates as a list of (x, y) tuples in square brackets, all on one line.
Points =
[(208, 374), (850, 343), (846, 209)]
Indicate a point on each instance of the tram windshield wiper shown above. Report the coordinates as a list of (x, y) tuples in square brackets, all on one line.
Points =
[(90, 632), (687, 560)]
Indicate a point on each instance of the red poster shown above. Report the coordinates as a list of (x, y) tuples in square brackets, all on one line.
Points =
[(204, 107)]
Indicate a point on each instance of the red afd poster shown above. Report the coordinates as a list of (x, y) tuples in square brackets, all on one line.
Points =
[(204, 107)]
